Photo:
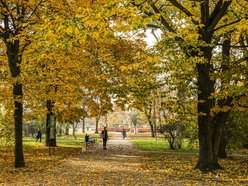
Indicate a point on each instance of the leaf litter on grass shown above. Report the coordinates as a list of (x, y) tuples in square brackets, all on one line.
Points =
[(120, 164)]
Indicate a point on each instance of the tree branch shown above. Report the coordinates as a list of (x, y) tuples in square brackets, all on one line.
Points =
[(163, 20), (6, 17), (233, 46), (1, 31), (216, 9), (221, 12), (231, 23), (184, 10), (205, 12), (152, 25), (36, 7)]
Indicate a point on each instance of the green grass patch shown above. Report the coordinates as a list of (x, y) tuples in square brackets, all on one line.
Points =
[(161, 145), (151, 145), (63, 141)]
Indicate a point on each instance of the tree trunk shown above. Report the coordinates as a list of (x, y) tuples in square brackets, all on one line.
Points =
[(152, 129), (208, 160), (179, 142), (60, 132), (148, 114), (83, 127), (218, 127), (222, 116), (219, 122), (171, 142), (50, 126), (97, 121), (74, 132), (135, 129), (106, 120), (151, 125), (222, 147), (14, 59), (67, 130), (74, 129), (18, 118)]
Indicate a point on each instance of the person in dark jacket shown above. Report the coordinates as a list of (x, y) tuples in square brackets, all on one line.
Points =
[(124, 133), (39, 136), (104, 135)]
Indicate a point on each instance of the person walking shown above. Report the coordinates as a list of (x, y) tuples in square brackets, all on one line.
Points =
[(124, 133), (39, 136), (104, 135)]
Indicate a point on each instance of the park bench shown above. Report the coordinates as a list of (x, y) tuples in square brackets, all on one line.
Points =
[(89, 140)]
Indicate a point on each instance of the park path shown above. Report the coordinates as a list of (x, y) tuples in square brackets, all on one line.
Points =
[(120, 164)]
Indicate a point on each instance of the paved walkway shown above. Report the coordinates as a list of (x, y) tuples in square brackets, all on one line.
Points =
[(118, 165), (117, 141)]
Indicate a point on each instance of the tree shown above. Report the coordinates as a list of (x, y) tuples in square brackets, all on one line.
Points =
[(172, 132), (195, 26), (71, 115), (135, 119), (16, 19)]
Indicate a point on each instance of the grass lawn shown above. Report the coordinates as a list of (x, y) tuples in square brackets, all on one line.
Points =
[(151, 144)]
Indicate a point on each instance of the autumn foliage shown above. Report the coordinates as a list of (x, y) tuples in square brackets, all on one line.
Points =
[(76, 59)]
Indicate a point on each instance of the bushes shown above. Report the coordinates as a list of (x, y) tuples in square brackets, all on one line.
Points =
[(173, 133)]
